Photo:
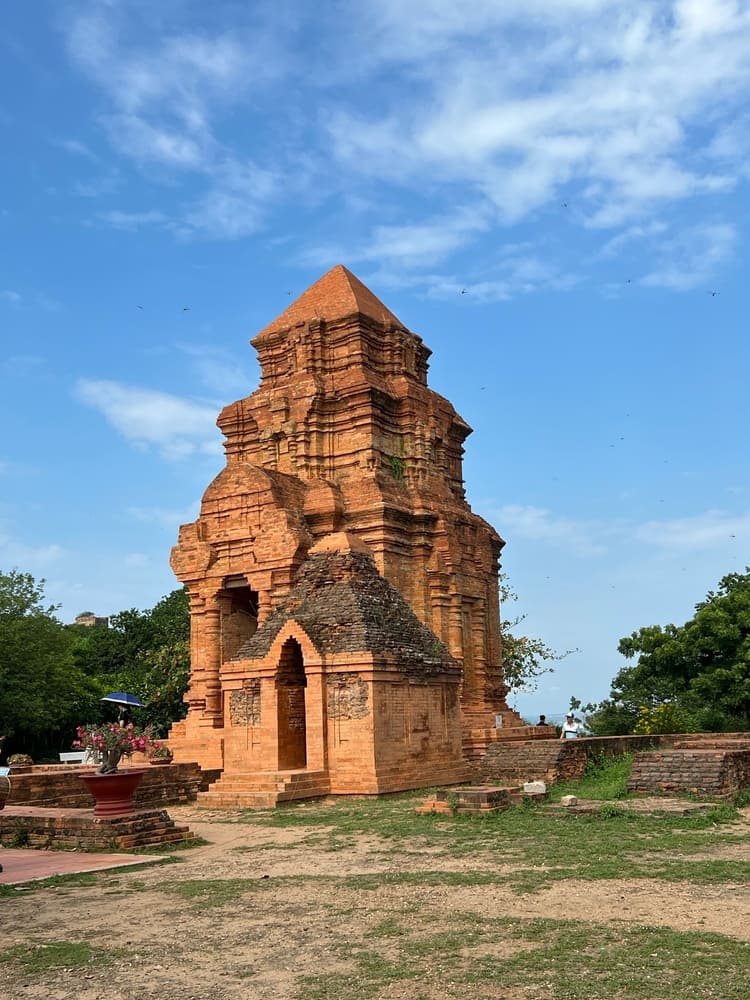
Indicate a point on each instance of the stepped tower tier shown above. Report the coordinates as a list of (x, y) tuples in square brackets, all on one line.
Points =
[(343, 435)]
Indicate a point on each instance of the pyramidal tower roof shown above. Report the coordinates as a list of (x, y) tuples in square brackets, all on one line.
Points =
[(337, 294)]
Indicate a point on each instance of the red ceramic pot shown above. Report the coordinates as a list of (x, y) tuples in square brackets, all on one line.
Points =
[(113, 793)]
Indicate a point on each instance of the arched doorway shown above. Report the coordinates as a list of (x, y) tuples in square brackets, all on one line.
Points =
[(290, 688)]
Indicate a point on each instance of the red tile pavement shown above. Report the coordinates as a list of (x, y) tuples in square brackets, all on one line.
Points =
[(26, 864)]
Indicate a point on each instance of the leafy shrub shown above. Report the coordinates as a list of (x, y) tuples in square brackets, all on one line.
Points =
[(608, 810), (665, 718)]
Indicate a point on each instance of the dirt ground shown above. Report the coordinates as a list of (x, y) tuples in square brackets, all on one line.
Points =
[(257, 942)]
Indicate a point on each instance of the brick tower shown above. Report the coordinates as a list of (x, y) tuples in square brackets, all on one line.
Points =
[(343, 452)]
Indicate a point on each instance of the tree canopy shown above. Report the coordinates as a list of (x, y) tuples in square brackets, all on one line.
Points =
[(690, 677), (39, 681), (53, 676)]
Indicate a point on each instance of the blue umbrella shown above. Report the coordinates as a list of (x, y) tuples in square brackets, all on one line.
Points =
[(121, 698)]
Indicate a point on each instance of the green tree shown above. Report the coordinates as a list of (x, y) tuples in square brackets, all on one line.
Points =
[(41, 688), (701, 668), (525, 659), (144, 652)]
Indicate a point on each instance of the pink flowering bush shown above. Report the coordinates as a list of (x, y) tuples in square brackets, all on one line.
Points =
[(109, 743)]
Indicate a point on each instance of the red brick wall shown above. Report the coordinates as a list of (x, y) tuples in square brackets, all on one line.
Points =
[(59, 787)]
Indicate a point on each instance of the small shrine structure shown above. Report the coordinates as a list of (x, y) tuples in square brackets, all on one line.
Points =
[(345, 619)]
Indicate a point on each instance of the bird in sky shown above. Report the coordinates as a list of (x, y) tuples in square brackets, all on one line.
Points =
[(186, 309), (712, 294), (463, 291)]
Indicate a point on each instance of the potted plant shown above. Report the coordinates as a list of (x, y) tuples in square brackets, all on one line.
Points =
[(113, 790), (160, 754), (109, 743), (20, 763)]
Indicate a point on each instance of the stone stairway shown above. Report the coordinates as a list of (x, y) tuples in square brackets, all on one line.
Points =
[(263, 789), (79, 829)]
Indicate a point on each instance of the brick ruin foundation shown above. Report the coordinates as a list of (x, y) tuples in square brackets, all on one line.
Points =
[(343, 595), (713, 767), (50, 807), (710, 765)]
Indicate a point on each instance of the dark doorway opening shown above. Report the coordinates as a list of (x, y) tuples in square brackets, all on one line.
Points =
[(291, 683), (239, 620)]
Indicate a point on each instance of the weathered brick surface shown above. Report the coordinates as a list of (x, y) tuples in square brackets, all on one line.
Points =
[(57, 786), (69, 829), (342, 439), (703, 764), (555, 760), (714, 772)]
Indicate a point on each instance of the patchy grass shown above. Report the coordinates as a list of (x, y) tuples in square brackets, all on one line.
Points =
[(206, 894), (611, 844), (172, 847), (397, 933), (478, 958), (38, 958), (606, 779)]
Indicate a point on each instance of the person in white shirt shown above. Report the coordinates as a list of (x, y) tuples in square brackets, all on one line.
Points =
[(571, 729)]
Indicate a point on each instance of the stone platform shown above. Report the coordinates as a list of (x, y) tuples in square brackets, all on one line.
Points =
[(472, 799), (79, 829)]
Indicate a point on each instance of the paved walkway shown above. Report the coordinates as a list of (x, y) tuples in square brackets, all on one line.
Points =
[(26, 864)]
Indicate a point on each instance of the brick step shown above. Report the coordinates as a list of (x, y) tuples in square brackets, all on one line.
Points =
[(282, 794), (265, 784), (76, 830), (263, 789), (248, 800), (269, 780), (153, 839)]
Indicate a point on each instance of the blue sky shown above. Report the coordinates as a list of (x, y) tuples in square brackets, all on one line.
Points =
[(554, 196)]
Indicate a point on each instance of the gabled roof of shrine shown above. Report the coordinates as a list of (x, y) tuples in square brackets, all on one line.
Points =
[(346, 606), (337, 294)]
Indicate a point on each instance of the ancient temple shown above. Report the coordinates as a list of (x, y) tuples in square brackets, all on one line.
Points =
[(343, 595)]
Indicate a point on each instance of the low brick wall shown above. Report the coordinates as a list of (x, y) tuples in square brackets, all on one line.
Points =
[(556, 760), (713, 772), (59, 787), (62, 830)]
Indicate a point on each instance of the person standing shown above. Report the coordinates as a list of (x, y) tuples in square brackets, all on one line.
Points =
[(571, 729)]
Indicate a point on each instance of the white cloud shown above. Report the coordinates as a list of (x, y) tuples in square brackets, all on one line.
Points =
[(30, 558), (162, 96), (540, 524), (77, 148), (164, 144), (170, 519), (425, 243), (693, 257), (218, 371), (605, 102), (131, 221), (633, 234), (178, 427), (10, 296), (627, 110), (709, 529), (236, 203)]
